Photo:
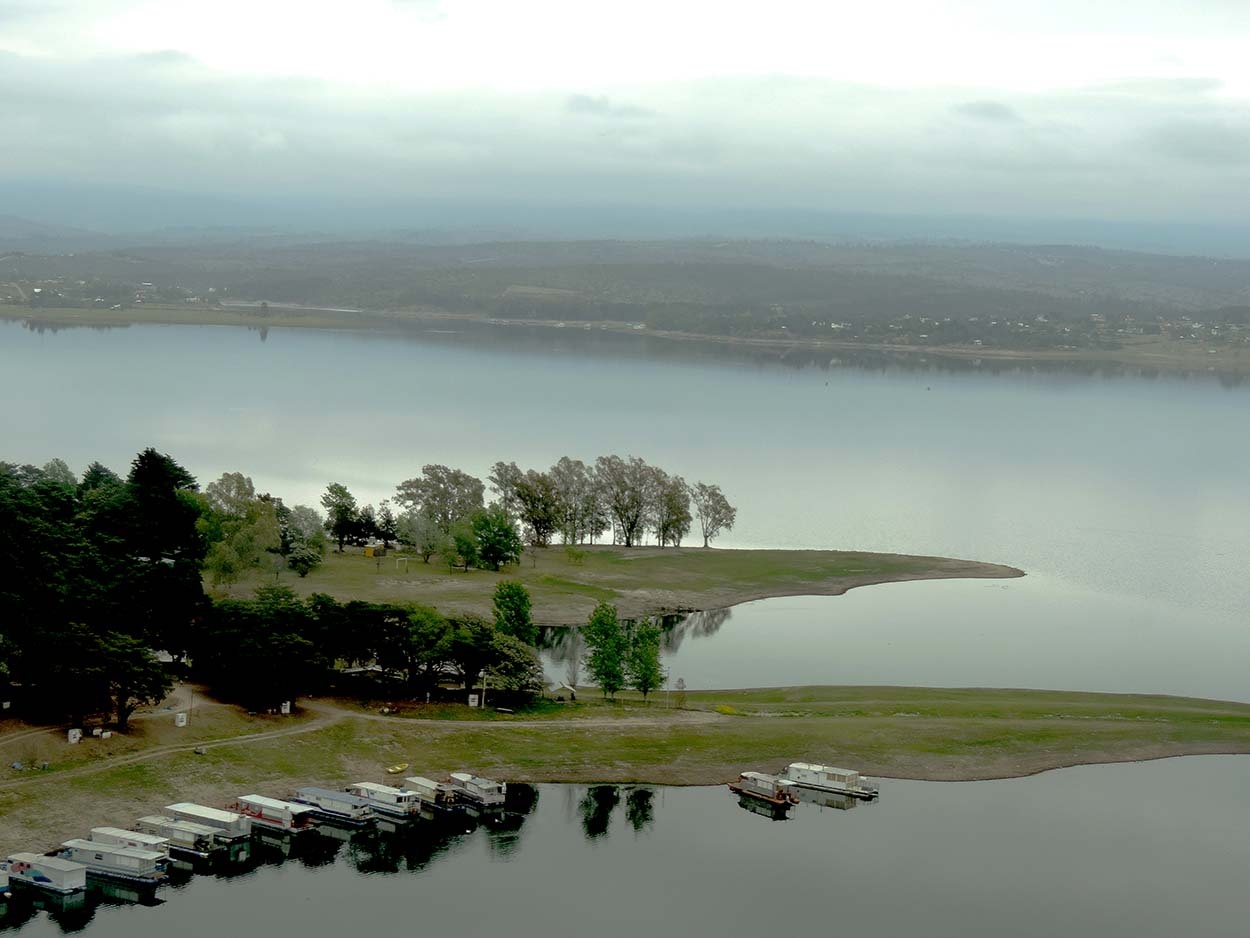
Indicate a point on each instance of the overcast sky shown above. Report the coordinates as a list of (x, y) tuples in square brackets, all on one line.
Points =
[(1114, 109)]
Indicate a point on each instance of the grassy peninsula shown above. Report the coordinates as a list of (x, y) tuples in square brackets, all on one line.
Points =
[(566, 585), (896, 732)]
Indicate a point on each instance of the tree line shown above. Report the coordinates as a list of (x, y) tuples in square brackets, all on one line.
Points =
[(443, 511), (99, 571)]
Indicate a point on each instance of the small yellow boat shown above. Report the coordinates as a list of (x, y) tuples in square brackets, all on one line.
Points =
[(396, 769)]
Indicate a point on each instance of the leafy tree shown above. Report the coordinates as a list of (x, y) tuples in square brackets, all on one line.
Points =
[(538, 505), (642, 664), (582, 516), (496, 540), (387, 525), (713, 510), (670, 510), (423, 534), (460, 547), (97, 476), (304, 558), (133, 674), (471, 647), (512, 612), (341, 513), (443, 494), (625, 487), (240, 526), (503, 479), (514, 665), (606, 649), (57, 471)]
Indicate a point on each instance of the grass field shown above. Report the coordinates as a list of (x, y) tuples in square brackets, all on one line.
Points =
[(928, 733), (640, 580)]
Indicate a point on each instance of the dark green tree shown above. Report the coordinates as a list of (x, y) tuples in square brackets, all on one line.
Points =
[(341, 513), (471, 647), (512, 612), (642, 663), (496, 538), (135, 678), (607, 648)]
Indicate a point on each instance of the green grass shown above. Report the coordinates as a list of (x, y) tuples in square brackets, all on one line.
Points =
[(640, 581), (936, 733)]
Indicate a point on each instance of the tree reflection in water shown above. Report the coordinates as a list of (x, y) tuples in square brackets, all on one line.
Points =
[(561, 644)]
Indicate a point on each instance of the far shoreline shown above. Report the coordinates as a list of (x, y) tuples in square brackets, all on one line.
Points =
[(1150, 354)]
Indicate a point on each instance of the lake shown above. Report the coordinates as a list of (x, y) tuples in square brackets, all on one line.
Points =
[(1124, 498), (1118, 850)]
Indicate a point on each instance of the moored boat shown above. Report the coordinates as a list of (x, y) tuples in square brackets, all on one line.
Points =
[(768, 788), (123, 838), (477, 792), (384, 799), (188, 838), (437, 797), (229, 825), (132, 864), (51, 874), (338, 807), (831, 779), (274, 814)]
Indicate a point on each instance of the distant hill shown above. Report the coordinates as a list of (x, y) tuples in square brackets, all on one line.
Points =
[(24, 235)]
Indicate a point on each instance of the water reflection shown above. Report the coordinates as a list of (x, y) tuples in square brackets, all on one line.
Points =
[(561, 645), (606, 343)]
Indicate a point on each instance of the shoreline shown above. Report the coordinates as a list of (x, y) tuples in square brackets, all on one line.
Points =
[(1151, 355), (901, 733), (639, 581)]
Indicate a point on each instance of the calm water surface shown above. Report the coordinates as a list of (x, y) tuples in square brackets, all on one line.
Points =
[(1127, 850), (1125, 499)]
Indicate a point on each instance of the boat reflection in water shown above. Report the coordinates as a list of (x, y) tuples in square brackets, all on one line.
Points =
[(774, 812), (828, 799)]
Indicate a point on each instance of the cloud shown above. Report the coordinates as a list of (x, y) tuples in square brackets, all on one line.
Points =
[(994, 112), (1208, 143), (603, 107), (1160, 87)]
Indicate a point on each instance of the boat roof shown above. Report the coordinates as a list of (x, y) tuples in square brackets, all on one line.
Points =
[(116, 849), (52, 863), (131, 835), (332, 793), (816, 767), (473, 779), (382, 789), (178, 824), (422, 782), (765, 777), (276, 803), (190, 807)]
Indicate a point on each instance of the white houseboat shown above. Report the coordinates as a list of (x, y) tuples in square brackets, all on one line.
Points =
[(114, 860), (383, 799), (274, 814), (121, 838), (185, 837), (338, 807), (477, 792), (438, 797), (230, 826), (52, 874), (769, 788), (831, 779)]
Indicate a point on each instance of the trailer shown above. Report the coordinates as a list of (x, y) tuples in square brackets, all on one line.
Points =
[(437, 797), (52, 874), (338, 807), (131, 864), (229, 825), (185, 837), (832, 779), (475, 791), (118, 837), (384, 799), (285, 816)]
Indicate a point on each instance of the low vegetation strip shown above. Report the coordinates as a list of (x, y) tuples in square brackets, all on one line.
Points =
[(918, 733), (566, 585)]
